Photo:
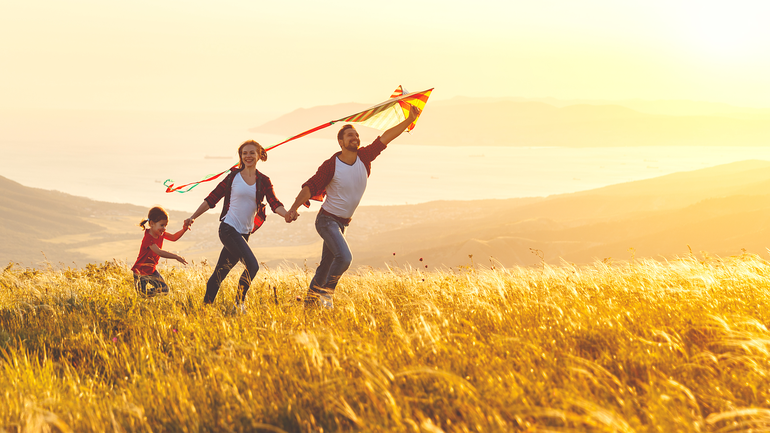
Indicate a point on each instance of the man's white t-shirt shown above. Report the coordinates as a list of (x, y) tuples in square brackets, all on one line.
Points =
[(243, 205), (344, 192)]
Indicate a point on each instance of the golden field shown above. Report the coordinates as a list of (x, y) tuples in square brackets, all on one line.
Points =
[(638, 346)]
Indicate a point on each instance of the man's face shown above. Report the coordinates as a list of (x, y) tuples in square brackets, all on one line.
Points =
[(350, 140)]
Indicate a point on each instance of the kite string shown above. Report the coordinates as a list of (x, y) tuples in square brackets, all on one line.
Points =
[(403, 102), (302, 134), (169, 183)]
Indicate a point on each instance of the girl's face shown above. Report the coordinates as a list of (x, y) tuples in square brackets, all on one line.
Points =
[(157, 228)]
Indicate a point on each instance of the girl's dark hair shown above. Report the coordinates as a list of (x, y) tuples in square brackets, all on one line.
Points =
[(260, 150), (156, 214)]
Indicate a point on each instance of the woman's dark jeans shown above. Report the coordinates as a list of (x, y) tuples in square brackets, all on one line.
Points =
[(235, 249)]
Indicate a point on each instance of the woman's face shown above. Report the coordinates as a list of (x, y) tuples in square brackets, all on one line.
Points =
[(249, 155)]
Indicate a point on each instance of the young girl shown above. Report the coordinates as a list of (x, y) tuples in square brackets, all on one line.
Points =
[(150, 252)]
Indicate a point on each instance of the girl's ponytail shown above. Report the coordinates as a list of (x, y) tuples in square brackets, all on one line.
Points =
[(156, 214)]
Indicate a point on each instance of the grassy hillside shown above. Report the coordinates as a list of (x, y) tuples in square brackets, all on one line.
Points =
[(41, 227), (635, 347)]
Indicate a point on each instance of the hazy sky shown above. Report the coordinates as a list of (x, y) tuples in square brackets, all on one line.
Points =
[(258, 55)]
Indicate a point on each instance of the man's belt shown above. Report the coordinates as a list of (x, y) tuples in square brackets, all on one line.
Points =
[(343, 221)]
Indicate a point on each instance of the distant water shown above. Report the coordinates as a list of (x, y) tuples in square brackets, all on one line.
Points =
[(403, 174)]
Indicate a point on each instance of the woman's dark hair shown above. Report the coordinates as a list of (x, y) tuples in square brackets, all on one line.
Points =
[(156, 214), (260, 150)]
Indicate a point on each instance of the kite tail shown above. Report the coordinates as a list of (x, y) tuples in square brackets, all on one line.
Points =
[(169, 183)]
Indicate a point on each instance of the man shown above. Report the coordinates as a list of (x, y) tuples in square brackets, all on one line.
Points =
[(342, 178)]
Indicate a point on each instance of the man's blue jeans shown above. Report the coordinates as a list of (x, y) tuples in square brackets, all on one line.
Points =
[(235, 249), (335, 258)]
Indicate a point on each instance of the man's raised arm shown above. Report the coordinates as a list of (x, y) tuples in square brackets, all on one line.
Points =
[(395, 131)]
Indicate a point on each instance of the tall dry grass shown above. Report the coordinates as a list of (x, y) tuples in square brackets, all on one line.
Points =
[(635, 347)]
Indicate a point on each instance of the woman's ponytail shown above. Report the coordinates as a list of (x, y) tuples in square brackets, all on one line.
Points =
[(261, 152)]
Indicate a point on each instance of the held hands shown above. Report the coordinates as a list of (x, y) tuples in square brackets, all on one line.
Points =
[(187, 223), (291, 215)]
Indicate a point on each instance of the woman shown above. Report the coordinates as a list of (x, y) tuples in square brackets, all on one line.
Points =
[(243, 213)]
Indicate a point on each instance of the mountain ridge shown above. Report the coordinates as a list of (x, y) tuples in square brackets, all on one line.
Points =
[(719, 209), (535, 123)]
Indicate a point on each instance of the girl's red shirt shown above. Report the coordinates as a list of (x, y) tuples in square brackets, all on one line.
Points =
[(148, 260)]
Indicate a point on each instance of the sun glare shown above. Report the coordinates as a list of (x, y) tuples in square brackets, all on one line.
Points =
[(725, 29)]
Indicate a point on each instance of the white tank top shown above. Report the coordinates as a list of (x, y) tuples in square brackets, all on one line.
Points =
[(344, 192), (243, 205)]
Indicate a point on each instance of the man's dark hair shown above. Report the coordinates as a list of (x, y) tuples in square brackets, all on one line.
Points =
[(342, 131)]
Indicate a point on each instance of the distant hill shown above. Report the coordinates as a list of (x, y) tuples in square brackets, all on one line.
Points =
[(40, 227), (720, 210), (303, 119), (516, 122)]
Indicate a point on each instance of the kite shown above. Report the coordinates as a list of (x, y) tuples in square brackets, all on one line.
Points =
[(381, 116)]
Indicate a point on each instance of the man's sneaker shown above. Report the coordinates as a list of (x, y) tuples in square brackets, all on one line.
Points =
[(240, 309), (325, 299), (311, 299)]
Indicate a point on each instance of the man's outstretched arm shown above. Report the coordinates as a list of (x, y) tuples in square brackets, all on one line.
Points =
[(303, 196), (395, 131)]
